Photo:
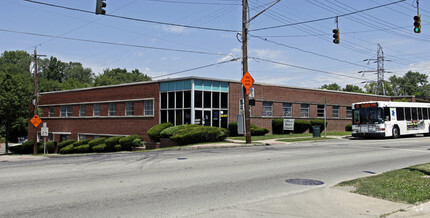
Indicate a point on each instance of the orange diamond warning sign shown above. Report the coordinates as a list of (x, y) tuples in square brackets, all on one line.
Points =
[(36, 121), (247, 82)]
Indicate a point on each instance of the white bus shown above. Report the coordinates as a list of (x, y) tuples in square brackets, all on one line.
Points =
[(390, 119)]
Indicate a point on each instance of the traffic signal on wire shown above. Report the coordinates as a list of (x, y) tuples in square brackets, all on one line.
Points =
[(100, 7), (336, 36), (417, 24)]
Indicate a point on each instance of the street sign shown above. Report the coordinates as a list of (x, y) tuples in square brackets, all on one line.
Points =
[(247, 82), (44, 131), (36, 121)]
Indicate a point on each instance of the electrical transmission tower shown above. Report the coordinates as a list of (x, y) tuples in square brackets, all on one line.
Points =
[(380, 70)]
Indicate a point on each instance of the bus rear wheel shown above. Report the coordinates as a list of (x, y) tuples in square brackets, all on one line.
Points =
[(396, 132)]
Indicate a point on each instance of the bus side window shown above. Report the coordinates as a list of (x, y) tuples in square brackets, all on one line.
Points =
[(408, 113), (414, 114), (387, 114), (400, 113), (425, 114), (420, 114)]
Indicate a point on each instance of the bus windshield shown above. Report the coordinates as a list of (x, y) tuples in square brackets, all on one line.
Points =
[(372, 115)]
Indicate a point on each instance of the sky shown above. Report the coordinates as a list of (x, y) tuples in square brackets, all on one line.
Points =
[(290, 44)]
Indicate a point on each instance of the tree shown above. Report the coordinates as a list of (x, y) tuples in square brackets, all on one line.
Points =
[(412, 83), (52, 69), (333, 86), (76, 71), (352, 88), (118, 76), (15, 97)]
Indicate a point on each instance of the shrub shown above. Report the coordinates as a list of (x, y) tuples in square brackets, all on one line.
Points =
[(256, 131), (24, 148), (50, 147), (127, 142), (232, 129), (137, 143), (348, 127), (301, 126), (319, 122), (278, 126), (95, 142), (117, 147), (65, 143), (154, 132), (112, 141), (82, 149), (100, 148), (192, 133), (67, 149), (81, 142), (168, 132)]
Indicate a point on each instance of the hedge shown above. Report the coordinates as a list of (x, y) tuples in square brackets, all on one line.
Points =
[(82, 149), (154, 132), (192, 133), (100, 148), (128, 140), (50, 147), (117, 147), (278, 126), (95, 142), (257, 131), (69, 149), (81, 142), (25, 148), (319, 122), (65, 143), (112, 141), (348, 128), (301, 126), (168, 132), (232, 129)]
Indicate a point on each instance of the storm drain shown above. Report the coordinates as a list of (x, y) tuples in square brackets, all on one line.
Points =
[(304, 182)]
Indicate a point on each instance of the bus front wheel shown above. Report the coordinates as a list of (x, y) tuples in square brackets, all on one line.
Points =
[(396, 132)]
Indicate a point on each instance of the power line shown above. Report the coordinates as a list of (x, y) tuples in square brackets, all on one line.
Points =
[(327, 18), (198, 68), (192, 2), (114, 43), (133, 19)]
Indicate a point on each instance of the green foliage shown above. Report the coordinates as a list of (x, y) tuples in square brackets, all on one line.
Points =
[(258, 131), (301, 126), (168, 132), (65, 143), (129, 141), (348, 127), (352, 88), (95, 142), (100, 148), (118, 76), (318, 122), (278, 126), (192, 133), (232, 129), (154, 132), (50, 147), (81, 142), (25, 148), (137, 143), (333, 86), (117, 147), (111, 142), (82, 149), (69, 149)]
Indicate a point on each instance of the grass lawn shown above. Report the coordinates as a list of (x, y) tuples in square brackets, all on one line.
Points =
[(282, 136), (410, 185)]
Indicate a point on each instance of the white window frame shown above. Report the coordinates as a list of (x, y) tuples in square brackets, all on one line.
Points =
[(267, 109), (287, 109), (112, 109), (335, 111), (66, 110), (320, 111), (148, 107), (96, 110), (349, 112), (129, 108), (82, 110), (304, 110)]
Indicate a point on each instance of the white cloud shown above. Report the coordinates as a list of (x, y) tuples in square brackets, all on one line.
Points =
[(174, 29)]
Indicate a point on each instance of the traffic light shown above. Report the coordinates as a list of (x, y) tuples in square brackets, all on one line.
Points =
[(336, 36), (100, 7), (417, 24)]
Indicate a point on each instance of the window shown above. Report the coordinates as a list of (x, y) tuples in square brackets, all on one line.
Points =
[(335, 112), (82, 110), (320, 110), (224, 100), (163, 100), (348, 112), (96, 110), (129, 108), (187, 99), (287, 109), (178, 99), (198, 99), (267, 108), (112, 109), (66, 111), (215, 99), (414, 114), (51, 112), (400, 113), (425, 114), (408, 113), (304, 110), (207, 99), (149, 107)]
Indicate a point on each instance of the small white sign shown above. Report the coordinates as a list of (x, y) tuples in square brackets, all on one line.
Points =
[(44, 131), (289, 124)]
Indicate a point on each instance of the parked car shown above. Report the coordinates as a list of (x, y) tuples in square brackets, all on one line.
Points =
[(19, 143)]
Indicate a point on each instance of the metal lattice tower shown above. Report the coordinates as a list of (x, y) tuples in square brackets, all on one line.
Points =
[(380, 70)]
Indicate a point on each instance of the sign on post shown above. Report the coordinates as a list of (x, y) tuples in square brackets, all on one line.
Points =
[(289, 124), (247, 82), (36, 121), (44, 131)]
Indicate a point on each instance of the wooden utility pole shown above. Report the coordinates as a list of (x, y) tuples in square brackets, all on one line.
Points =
[(36, 88), (245, 26)]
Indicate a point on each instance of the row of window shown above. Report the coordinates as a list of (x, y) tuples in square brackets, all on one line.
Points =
[(67, 110), (202, 99), (287, 110), (410, 114)]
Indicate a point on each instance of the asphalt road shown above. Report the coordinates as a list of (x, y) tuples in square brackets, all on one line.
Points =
[(191, 182)]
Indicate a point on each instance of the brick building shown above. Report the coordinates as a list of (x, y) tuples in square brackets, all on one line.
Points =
[(133, 108)]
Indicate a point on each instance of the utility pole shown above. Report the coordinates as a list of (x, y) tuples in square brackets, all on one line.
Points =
[(36, 97), (380, 70), (245, 26)]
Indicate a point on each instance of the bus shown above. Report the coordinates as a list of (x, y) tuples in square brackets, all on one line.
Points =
[(390, 119)]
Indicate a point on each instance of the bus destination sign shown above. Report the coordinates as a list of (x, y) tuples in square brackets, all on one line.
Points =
[(366, 105)]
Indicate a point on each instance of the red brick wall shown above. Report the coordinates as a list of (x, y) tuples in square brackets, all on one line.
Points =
[(297, 96)]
